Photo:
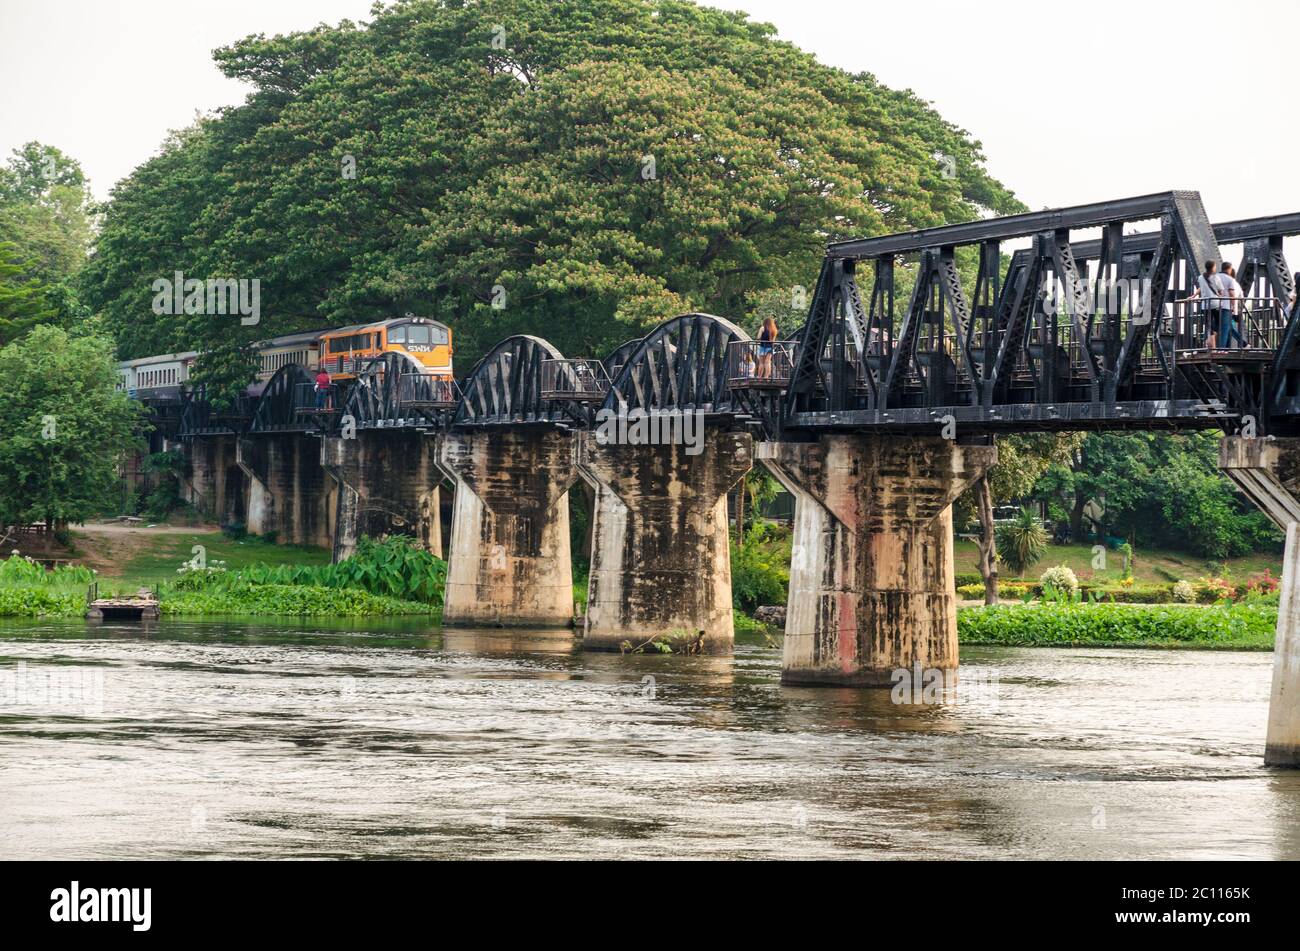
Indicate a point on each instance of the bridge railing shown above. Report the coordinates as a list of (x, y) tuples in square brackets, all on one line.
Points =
[(760, 364), (427, 391), (310, 398), (1260, 322), (581, 381)]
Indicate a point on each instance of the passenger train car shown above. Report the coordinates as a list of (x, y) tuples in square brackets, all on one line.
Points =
[(343, 352), (157, 379)]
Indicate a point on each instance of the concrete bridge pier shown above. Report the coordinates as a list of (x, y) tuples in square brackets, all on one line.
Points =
[(388, 484), (288, 493), (214, 483), (871, 577), (660, 559), (509, 562), (1268, 472)]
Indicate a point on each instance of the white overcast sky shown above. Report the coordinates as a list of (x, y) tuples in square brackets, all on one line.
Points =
[(1073, 103)]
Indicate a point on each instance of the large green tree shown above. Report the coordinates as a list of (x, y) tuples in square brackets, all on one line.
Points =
[(24, 301), (46, 218), (1160, 490), (63, 427), (578, 169)]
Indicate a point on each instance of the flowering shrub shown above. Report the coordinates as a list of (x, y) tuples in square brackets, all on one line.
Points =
[(1059, 579), (1185, 592), (1262, 584), (1210, 590)]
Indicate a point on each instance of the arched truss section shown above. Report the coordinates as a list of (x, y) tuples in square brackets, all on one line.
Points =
[(505, 387), (198, 417), (620, 355), (680, 365), (277, 410), (394, 390)]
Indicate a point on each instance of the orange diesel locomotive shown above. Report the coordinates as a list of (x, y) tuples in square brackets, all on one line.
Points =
[(345, 350)]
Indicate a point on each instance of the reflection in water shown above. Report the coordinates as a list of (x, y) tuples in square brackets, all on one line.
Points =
[(195, 739)]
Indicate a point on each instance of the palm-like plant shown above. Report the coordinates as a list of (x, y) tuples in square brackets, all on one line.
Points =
[(1021, 543)]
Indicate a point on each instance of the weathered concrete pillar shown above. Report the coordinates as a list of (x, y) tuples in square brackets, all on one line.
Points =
[(871, 577), (388, 485), (288, 492), (660, 558), (1268, 472), (212, 483), (509, 562)]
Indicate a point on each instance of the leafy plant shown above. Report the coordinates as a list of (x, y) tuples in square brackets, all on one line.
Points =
[(760, 568), (1022, 542)]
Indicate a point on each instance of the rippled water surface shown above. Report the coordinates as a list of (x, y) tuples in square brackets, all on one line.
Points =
[(250, 741)]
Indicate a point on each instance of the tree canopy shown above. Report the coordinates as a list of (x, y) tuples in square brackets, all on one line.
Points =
[(579, 169), (63, 426)]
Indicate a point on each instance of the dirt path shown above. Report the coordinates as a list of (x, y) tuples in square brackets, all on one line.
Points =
[(108, 547)]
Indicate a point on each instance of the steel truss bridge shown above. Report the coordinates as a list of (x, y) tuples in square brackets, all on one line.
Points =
[(1083, 325)]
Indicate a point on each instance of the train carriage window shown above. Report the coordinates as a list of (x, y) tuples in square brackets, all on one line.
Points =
[(439, 336), (418, 334), (397, 334)]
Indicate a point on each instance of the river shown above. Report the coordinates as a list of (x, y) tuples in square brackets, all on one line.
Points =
[(239, 740)]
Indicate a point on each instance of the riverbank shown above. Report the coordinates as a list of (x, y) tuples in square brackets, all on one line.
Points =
[(1248, 626)]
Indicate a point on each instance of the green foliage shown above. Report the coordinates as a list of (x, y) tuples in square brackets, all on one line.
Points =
[(41, 602), (63, 427), (46, 220), (760, 568), (28, 590), (394, 568), (24, 301), (284, 600), (612, 163), (1055, 624), (1162, 490), (165, 496), (1021, 543)]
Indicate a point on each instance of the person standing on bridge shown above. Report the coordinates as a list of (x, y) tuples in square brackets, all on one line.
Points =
[(766, 344), (322, 388), (1208, 291), (1230, 315)]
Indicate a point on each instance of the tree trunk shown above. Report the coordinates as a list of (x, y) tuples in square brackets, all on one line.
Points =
[(1076, 518), (740, 514), (988, 543)]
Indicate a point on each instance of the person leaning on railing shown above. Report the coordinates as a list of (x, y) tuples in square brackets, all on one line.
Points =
[(322, 388)]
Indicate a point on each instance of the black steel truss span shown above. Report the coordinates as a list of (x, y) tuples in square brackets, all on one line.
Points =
[(278, 408), (1070, 335), (680, 365), (505, 387), (381, 397)]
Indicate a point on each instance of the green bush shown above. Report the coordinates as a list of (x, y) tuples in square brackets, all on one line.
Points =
[(41, 602), (1244, 625), (285, 600), (760, 568), (394, 568)]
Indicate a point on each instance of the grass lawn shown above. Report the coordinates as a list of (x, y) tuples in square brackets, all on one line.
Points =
[(1155, 567), (130, 559)]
